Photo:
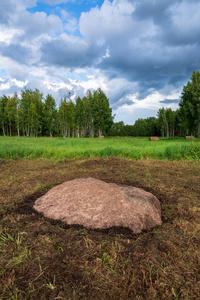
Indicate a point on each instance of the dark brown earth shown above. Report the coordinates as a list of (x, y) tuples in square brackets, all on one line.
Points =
[(42, 258), (96, 204)]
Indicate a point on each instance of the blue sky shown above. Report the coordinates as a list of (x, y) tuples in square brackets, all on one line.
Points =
[(140, 53), (75, 8)]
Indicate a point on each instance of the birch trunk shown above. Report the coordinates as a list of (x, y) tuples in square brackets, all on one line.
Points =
[(3, 128)]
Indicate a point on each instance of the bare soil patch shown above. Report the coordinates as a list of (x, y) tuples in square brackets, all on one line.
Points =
[(45, 259)]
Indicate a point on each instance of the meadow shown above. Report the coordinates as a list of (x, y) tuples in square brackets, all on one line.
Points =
[(41, 258), (123, 147)]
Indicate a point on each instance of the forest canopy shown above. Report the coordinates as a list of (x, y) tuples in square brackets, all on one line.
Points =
[(31, 115)]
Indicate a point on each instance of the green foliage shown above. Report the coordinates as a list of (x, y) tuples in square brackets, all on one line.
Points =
[(142, 127), (3, 114), (190, 105), (167, 122), (79, 116), (102, 113), (31, 112), (50, 115), (34, 116), (11, 110), (118, 129)]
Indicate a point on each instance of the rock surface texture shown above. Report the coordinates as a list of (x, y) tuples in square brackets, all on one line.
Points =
[(96, 204)]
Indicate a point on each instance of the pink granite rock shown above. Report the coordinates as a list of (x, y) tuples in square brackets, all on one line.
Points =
[(96, 204)]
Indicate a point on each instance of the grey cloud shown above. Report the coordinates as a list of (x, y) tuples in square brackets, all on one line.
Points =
[(119, 90), (155, 10), (134, 69), (14, 15), (18, 72), (168, 17), (11, 8), (16, 52), (129, 102), (71, 53), (38, 23), (170, 101), (153, 61), (122, 101), (6, 10), (156, 46), (121, 93)]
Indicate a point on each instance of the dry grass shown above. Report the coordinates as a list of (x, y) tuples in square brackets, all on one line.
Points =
[(45, 259)]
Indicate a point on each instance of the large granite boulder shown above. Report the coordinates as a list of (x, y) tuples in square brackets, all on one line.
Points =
[(96, 204)]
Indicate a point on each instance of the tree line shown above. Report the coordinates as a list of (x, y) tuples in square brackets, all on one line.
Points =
[(32, 115), (184, 121), (167, 124)]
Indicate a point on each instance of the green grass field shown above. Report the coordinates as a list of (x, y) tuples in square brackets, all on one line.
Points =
[(124, 147)]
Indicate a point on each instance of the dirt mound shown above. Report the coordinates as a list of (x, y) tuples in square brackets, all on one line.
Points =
[(96, 204)]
